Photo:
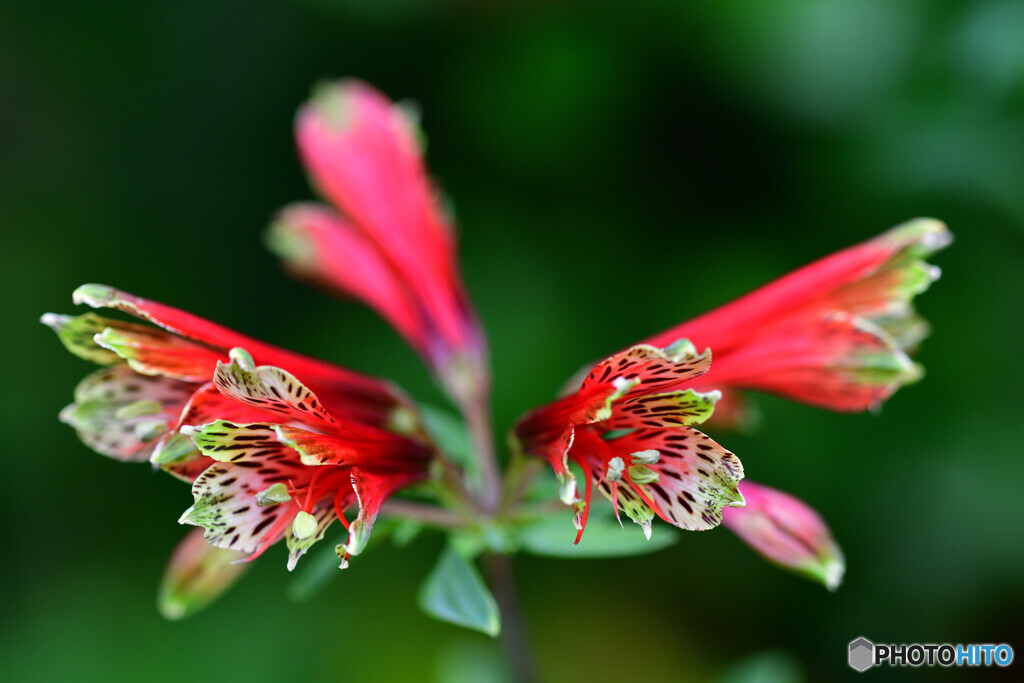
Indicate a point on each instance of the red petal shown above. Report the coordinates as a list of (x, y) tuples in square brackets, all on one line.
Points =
[(361, 152), (821, 285), (346, 389)]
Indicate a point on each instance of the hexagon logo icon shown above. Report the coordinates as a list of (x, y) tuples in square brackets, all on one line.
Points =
[(862, 654)]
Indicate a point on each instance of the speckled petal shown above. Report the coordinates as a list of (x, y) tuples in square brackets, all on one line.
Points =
[(695, 477), (122, 414)]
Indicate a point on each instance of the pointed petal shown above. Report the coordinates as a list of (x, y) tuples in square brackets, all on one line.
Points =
[(348, 387), (230, 442), (629, 501), (196, 575), (829, 284), (225, 502), (271, 389), (207, 404), (177, 455), (645, 366), (696, 477), (122, 414), (152, 351), (673, 409), (77, 334), (836, 361), (787, 532), (372, 490), (637, 371)]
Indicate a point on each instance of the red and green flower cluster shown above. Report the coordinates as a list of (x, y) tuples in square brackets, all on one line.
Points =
[(277, 446)]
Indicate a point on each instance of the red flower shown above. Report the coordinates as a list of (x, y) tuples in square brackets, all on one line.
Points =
[(268, 458), (296, 470), (628, 429), (834, 333), (386, 240)]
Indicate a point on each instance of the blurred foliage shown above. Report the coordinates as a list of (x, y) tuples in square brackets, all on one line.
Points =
[(616, 167)]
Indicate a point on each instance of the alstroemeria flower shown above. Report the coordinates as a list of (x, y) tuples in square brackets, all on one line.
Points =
[(834, 334), (787, 532), (267, 456), (628, 429), (386, 239), (293, 473)]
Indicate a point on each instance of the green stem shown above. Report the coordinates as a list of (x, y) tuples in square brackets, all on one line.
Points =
[(477, 413), (514, 637), (428, 514)]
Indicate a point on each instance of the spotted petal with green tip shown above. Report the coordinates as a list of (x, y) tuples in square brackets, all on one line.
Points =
[(122, 414)]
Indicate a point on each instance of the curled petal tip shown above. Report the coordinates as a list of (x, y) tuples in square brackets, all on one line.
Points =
[(242, 358), (284, 239), (332, 102), (94, 295), (54, 321), (833, 571), (922, 235)]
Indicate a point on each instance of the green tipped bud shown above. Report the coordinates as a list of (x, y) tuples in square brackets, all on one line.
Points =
[(275, 494)]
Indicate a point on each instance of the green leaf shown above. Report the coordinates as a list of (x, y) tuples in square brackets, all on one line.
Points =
[(553, 536), (448, 432), (454, 592), (773, 666)]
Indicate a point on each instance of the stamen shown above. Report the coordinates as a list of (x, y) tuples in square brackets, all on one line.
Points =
[(339, 510)]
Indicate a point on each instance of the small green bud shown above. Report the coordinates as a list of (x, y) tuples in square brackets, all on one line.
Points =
[(304, 525), (276, 493), (642, 474)]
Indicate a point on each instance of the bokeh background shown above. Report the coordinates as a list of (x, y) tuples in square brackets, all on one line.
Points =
[(616, 168)]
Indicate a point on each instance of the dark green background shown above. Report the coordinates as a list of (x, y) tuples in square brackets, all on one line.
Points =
[(616, 168)]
